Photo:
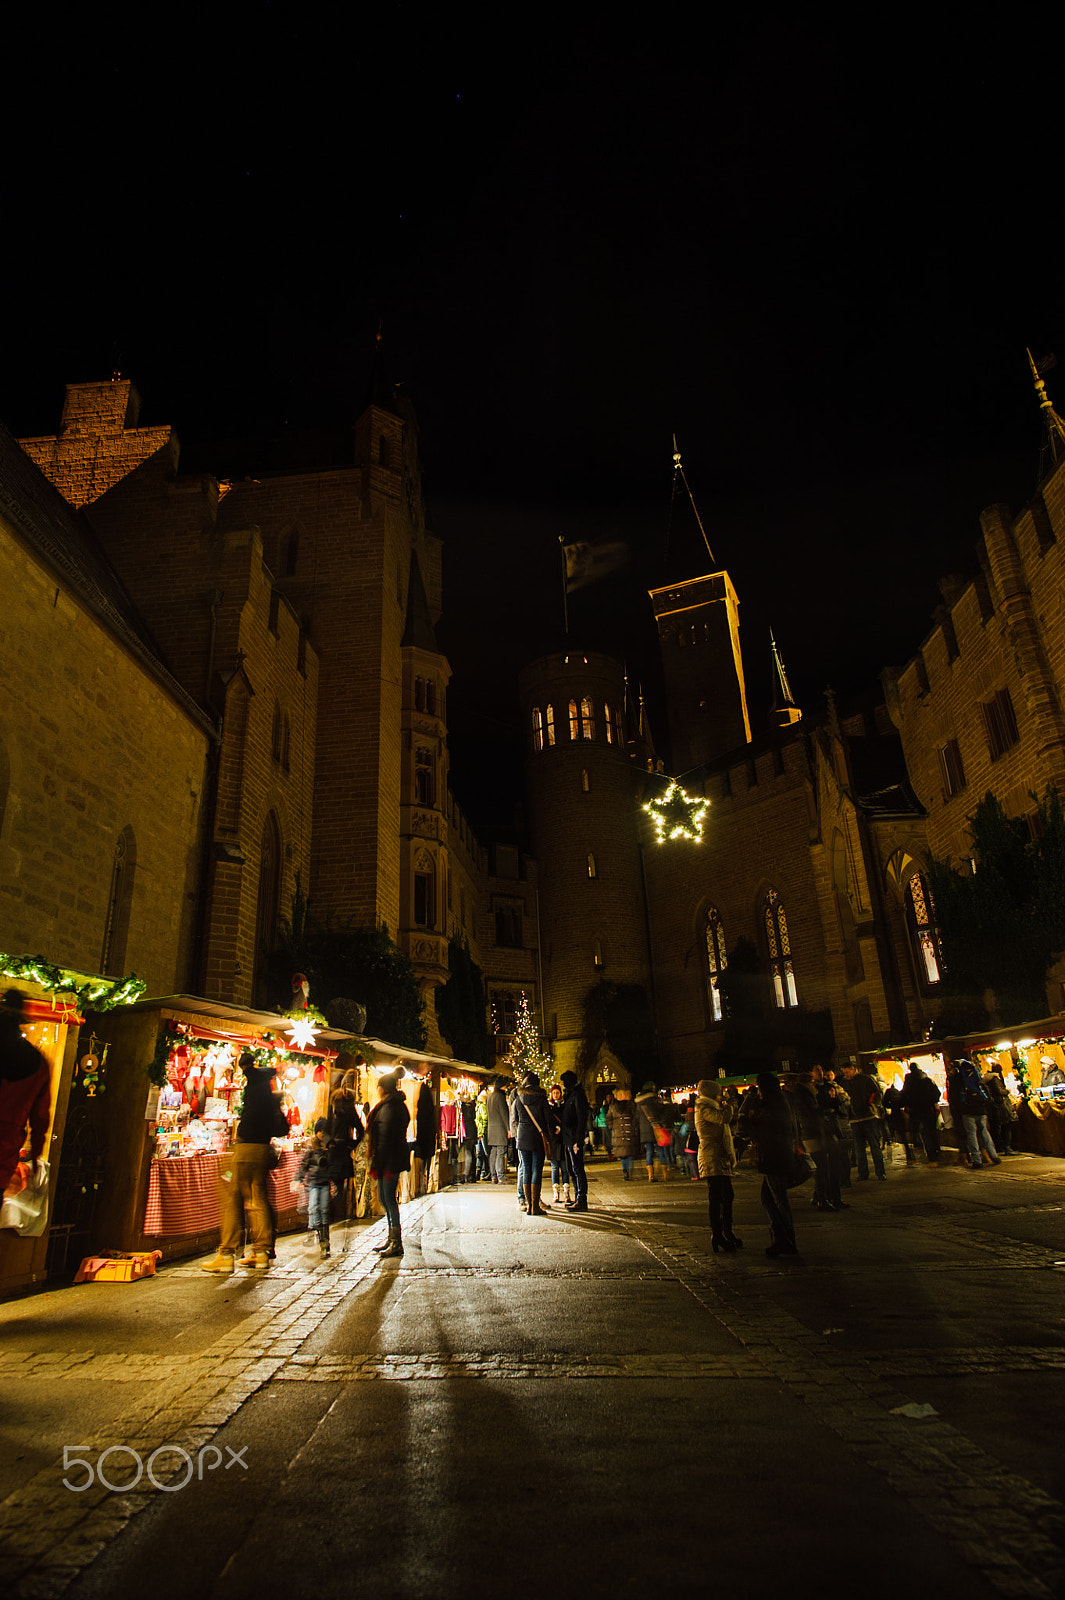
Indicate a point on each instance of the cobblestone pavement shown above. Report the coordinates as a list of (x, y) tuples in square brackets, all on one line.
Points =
[(1001, 1526)]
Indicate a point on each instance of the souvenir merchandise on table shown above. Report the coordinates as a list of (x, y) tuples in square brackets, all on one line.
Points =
[(200, 1103)]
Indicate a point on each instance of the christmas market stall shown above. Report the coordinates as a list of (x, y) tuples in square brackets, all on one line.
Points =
[(54, 1000), (1031, 1060), (174, 1095), (434, 1088)]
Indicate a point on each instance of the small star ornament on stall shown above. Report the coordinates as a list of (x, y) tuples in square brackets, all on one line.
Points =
[(301, 1034), (677, 815)]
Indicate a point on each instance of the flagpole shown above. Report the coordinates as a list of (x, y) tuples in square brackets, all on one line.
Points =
[(565, 597)]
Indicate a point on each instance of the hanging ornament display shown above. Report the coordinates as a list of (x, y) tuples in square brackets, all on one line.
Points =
[(677, 815)]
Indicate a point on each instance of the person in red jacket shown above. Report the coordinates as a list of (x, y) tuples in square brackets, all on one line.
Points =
[(25, 1090)]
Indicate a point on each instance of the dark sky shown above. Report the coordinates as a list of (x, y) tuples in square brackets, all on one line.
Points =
[(817, 255)]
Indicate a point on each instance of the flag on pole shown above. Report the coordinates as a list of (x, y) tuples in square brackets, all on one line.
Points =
[(587, 563)]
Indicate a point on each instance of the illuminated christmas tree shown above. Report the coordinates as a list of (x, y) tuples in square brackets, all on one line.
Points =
[(524, 1053)]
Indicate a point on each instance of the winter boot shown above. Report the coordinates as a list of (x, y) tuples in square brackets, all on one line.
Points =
[(567, 1194), (222, 1262), (556, 1193), (395, 1245), (535, 1209), (258, 1258)]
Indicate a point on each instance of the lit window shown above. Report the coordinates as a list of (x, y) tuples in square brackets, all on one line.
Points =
[(716, 962), (597, 954), (587, 719), (574, 721), (585, 782), (608, 724), (538, 728), (780, 963), (591, 866), (926, 935), (549, 724)]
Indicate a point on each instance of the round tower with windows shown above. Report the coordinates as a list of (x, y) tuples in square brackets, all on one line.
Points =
[(586, 765)]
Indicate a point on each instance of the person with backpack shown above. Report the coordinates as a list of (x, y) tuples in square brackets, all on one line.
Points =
[(973, 1101)]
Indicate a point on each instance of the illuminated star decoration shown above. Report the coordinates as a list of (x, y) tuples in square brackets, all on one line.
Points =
[(677, 815), (301, 1033)]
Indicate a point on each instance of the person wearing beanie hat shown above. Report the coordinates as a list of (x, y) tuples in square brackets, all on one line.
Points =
[(314, 1173), (717, 1161)]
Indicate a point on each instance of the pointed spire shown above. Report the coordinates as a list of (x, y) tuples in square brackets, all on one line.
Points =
[(783, 712), (1054, 436), (678, 472)]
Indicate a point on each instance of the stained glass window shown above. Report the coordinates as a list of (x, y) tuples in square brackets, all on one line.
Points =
[(781, 966), (716, 962)]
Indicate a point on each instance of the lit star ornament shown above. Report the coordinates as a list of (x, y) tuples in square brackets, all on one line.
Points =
[(301, 1034), (677, 815)]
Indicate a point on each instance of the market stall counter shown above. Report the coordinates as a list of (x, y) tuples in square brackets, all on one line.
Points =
[(175, 1103)]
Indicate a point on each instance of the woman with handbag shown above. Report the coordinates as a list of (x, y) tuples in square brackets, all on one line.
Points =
[(768, 1119), (533, 1141)]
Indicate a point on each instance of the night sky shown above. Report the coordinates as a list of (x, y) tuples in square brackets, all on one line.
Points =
[(815, 255)]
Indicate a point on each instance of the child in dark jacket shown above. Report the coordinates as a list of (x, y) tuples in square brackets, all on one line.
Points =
[(314, 1172)]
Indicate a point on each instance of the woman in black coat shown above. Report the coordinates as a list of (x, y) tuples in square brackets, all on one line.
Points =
[(389, 1155), (767, 1118), (532, 1134)]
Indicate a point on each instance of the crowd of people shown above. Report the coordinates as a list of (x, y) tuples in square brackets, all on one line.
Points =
[(809, 1123)]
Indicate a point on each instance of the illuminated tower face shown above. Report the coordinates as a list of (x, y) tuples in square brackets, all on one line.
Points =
[(584, 779), (699, 632)]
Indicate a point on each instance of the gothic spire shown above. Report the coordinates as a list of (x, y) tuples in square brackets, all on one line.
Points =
[(783, 711), (1053, 446)]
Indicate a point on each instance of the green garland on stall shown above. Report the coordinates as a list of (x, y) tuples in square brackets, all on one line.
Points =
[(89, 993)]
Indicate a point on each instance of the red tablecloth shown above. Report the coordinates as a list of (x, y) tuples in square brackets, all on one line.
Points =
[(183, 1192)]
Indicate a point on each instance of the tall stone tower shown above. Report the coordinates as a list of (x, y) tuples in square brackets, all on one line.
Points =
[(585, 774), (699, 632)]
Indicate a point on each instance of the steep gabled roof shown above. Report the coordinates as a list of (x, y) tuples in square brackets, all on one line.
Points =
[(64, 541)]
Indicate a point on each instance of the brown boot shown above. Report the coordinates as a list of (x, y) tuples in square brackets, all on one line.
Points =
[(535, 1209)]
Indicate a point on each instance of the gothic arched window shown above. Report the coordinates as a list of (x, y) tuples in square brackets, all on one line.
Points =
[(716, 962), (538, 728), (779, 945), (920, 914), (574, 721), (587, 719), (549, 724)]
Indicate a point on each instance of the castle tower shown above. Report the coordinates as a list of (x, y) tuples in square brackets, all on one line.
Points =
[(584, 776), (699, 632), (424, 866)]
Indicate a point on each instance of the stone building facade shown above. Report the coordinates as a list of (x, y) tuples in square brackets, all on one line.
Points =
[(105, 760)]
